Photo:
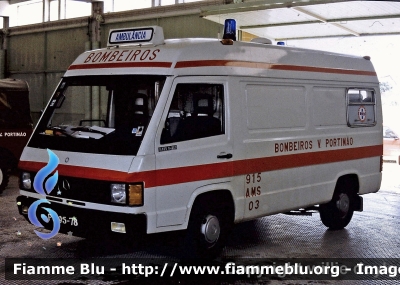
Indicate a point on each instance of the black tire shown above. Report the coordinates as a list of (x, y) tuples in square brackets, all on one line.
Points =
[(4, 178), (337, 213), (210, 223)]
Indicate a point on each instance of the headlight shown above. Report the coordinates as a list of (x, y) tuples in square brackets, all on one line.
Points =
[(118, 193), (131, 194), (26, 181)]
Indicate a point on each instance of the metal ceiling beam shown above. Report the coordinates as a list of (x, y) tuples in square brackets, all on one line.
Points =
[(277, 25), (11, 2), (323, 20), (16, 1), (337, 20), (261, 5), (338, 36)]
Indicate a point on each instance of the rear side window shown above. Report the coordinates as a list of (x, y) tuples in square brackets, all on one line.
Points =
[(361, 107)]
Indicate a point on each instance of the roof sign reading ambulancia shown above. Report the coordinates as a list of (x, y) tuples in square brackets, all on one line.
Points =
[(145, 35)]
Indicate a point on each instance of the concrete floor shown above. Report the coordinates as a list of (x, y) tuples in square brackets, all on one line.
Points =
[(373, 233)]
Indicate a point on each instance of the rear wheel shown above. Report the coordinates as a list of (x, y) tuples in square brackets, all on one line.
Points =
[(337, 213), (209, 225), (4, 177)]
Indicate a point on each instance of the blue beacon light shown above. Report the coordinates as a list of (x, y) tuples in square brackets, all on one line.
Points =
[(229, 30)]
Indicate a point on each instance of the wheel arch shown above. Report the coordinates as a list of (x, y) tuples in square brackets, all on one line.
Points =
[(215, 193), (351, 182), (340, 178), (7, 159), (210, 220), (352, 179), (337, 213)]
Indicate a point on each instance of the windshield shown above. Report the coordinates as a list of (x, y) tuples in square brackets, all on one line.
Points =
[(99, 114)]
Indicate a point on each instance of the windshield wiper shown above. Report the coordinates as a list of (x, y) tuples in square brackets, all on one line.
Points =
[(64, 131), (81, 131), (89, 129)]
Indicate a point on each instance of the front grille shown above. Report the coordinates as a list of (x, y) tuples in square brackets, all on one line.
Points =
[(86, 190), (82, 189)]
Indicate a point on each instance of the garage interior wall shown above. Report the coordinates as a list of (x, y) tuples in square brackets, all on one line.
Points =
[(41, 53)]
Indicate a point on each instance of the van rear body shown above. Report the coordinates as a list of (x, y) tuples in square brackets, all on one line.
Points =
[(15, 125)]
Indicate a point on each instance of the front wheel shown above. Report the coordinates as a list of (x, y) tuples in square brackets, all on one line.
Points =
[(337, 213), (4, 177), (209, 225)]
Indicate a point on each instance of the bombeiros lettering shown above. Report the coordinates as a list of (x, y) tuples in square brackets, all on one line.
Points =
[(122, 56), (293, 146)]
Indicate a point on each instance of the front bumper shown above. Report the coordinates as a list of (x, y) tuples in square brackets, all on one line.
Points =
[(83, 222)]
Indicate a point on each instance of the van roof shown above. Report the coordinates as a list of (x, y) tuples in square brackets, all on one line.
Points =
[(11, 84), (196, 56)]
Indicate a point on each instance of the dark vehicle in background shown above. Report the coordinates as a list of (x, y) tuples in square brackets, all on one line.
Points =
[(15, 125), (391, 146)]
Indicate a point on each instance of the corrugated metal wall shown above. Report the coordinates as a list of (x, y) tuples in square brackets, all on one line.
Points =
[(41, 53), (41, 58)]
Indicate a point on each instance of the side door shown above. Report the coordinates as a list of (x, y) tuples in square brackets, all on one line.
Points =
[(193, 147)]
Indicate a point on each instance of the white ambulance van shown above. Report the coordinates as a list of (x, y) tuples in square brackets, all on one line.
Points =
[(157, 135)]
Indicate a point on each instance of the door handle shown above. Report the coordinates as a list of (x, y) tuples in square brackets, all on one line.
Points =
[(225, 155)]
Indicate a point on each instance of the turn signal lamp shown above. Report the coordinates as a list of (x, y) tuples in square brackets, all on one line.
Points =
[(229, 32), (135, 194)]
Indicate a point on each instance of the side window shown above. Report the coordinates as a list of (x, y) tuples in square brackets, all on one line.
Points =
[(360, 107), (196, 111)]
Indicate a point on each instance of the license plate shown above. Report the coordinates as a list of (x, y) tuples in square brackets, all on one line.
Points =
[(72, 221)]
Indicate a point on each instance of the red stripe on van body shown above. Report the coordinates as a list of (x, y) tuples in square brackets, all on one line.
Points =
[(79, 171), (216, 63), (163, 177), (120, 65), (313, 158), (261, 65)]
